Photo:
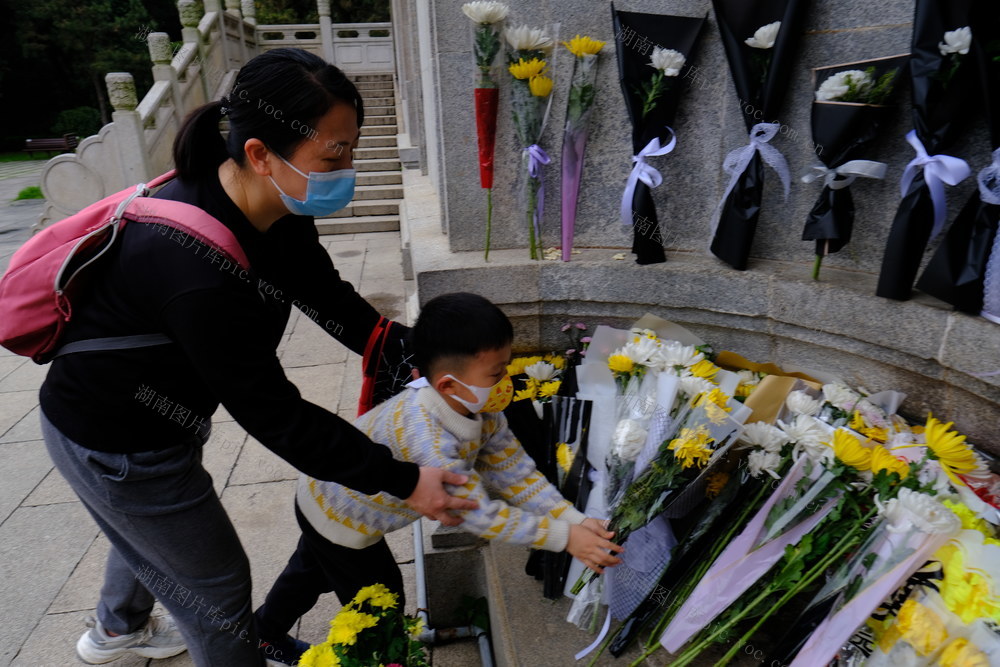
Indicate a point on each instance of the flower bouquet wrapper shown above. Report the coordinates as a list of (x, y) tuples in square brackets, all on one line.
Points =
[(761, 77), (843, 133), (636, 34), (898, 557), (739, 566), (957, 271), (944, 88)]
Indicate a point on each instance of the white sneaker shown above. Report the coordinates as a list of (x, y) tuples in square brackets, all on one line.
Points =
[(159, 638)]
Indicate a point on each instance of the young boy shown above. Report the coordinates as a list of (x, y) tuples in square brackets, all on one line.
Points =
[(449, 418)]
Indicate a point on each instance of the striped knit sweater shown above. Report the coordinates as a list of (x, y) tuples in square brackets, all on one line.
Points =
[(516, 503)]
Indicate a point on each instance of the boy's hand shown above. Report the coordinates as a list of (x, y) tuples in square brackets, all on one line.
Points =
[(597, 527), (591, 549), (430, 498)]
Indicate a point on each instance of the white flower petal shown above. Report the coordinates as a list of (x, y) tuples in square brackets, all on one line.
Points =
[(541, 371), (956, 41), (667, 61), (485, 11), (802, 403), (765, 36), (628, 440), (835, 85), (525, 38)]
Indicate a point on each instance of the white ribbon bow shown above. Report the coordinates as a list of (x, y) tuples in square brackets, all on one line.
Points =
[(737, 161), (643, 171), (849, 171), (938, 170), (989, 181)]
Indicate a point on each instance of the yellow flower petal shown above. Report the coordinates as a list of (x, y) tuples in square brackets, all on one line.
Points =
[(564, 456), (540, 86), (526, 69), (921, 627), (580, 46), (549, 388), (882, 459), (619, 363), (704, 369), (961, 653), (850, 451), (949, 447)]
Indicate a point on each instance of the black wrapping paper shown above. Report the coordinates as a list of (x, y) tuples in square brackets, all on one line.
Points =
[(841, 132), (635, 36), (942, 100), (956, 270), (760, 89)]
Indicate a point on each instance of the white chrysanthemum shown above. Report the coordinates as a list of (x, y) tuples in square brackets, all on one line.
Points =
[(836, 87), (641, 350), (541, 371), (808, 435), (674, 354), (767, 437), (748, 377), (628, 440), (667, 61), (913, 509), (802, 403), (692, 385), (956, 41), (764, 37), (485, 11), (841, 396), (648, 333), (525, 38), (872, 414), (760, 461)]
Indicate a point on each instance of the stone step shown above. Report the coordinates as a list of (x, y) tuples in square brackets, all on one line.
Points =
[(371, 223), (382, 153), (378, 130), (380, 101), (373, 85), (380, 192), (377, 165), (377, 142), (380, 120), (375, 76), (369, 207), (379, 111), (380, 178)]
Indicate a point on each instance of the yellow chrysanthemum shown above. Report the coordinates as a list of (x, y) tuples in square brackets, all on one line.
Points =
[(850, 451), (320, 655), (882, 459), (704, 369), (716, 397), (580, 46), (691, 447), (949, 447), (920, 627), (549, 388), (859, 424), (967, 593), (414, 626), (556, 360), (715, 483), (377, 595), (540, 86), (346, 625), (518, 364), (744, 389), (524, 394), (526, 69), (961, 653), (564, 456), (619, 363), (971, 521)]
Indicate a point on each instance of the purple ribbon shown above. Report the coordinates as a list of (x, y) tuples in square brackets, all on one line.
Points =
[(938, 170), (537, 158)]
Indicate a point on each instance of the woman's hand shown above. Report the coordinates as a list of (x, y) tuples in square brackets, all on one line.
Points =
[(591, 548), (432, 500)]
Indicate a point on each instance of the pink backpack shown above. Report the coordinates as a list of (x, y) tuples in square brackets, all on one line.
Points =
[(36, 292)]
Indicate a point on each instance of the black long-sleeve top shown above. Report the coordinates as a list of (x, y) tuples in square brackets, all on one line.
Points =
[(225, 325)]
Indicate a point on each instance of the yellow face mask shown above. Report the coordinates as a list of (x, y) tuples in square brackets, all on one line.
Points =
[(488, 399)]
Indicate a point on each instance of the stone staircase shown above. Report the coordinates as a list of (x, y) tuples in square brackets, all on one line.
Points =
[(380, 181)]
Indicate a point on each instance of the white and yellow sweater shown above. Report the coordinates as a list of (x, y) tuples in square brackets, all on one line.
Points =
[(516, 503)]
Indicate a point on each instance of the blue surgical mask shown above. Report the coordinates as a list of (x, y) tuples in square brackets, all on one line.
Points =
[(326, 193)]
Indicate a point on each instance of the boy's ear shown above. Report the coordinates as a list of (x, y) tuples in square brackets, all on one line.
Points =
[(444, 385)]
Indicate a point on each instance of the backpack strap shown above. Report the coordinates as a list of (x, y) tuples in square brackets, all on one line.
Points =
[(113, 343)]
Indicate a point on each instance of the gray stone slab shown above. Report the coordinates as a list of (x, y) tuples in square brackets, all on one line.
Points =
[(319, 384), (221, 452), (82, 590), (56, 535), (53, 489), (258, 464), (9, 362), (28, 428), (967, 347), (350, 392), (14, 405), (27, 377), (313, 346), (24, 465)]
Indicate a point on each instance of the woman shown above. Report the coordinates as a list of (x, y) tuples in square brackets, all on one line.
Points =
[(125, 427)]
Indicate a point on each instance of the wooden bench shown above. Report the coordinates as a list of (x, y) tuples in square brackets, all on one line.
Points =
[(67, 143)]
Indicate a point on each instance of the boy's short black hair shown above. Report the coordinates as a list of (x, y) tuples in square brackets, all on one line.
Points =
[(457, 326)]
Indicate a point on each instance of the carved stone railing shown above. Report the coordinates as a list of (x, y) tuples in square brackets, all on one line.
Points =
[(136, 145), (356, 48)]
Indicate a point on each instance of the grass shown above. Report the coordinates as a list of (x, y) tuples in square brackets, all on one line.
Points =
[(30, 192), (21, 156)]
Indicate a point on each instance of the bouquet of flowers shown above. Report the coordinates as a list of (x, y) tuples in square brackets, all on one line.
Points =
[(943, 77), (969, 252), (849, 106), (486, 16), (530, 100), (652, 51), (759, 38), (582, 93), (370, 630)]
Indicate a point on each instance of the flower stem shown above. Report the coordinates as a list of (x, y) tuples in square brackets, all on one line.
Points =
[(532, 203), (816, 265), (489, 221)]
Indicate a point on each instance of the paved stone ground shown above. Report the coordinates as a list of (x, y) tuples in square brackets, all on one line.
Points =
[(51, 552)]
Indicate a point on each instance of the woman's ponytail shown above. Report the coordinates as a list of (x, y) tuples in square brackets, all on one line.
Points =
[(199, 148)]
